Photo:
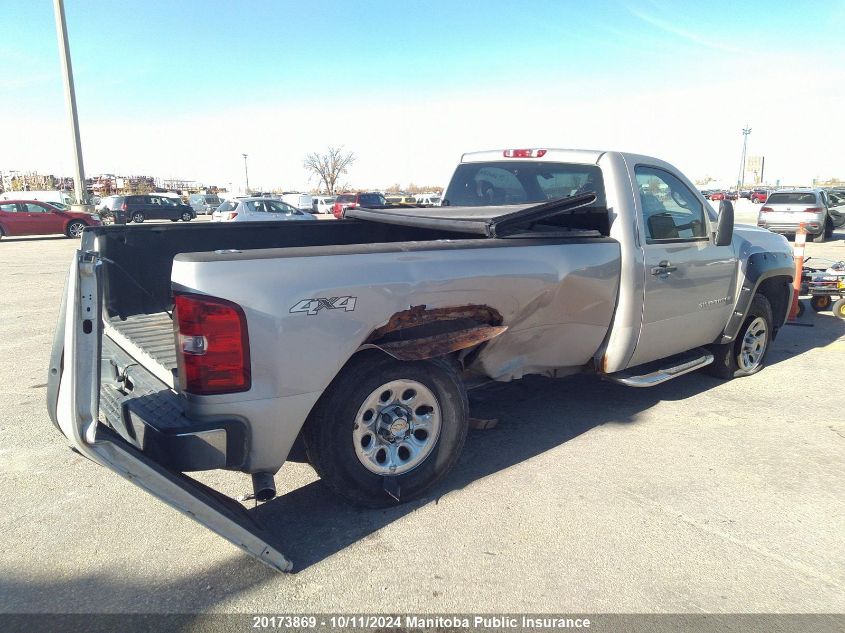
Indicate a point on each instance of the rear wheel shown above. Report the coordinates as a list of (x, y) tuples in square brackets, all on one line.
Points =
[(746, 354), (839, 308), (138, 217), (386, 425), (820, 302), (75, 228), (187, 217), (826, 232)]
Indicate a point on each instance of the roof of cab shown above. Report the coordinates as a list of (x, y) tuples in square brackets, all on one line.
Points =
[(555, 155)]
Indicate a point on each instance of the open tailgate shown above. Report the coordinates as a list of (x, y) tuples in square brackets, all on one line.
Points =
[(73, 397)]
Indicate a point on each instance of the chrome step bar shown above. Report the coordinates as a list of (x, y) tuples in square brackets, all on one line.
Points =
[(658, 372)]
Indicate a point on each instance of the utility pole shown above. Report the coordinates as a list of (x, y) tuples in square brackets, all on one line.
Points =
[(70, 98), (246, 174), (741, 181)]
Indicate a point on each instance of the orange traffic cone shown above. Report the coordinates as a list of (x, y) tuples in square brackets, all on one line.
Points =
[(800, 241)]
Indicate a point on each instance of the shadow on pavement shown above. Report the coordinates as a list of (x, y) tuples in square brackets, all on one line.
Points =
[(311, 523)]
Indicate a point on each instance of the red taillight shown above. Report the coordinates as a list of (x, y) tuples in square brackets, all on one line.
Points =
[(231, 215), (813, 210), (123, 207), (212, 345), (766, 210), (524, 153)]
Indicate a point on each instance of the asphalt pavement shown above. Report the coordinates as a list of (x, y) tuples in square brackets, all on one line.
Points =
[(694, 496)]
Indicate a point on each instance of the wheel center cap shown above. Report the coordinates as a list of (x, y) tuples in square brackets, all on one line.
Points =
[(398, 427)]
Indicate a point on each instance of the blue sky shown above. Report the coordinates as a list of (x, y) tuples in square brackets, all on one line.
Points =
[(182, 88)]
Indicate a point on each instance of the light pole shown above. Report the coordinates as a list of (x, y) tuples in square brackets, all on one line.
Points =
[(70, 98), (246, 174), (741, 181)]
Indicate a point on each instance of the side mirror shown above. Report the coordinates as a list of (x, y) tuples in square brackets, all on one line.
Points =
[(725, 227)]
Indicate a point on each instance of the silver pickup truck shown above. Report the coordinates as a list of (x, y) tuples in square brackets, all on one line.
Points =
[(351, 343)]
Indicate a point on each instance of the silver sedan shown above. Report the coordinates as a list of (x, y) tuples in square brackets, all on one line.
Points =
[(257, 210)]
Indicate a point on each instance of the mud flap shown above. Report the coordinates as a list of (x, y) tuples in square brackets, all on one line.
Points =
[(73, 401)]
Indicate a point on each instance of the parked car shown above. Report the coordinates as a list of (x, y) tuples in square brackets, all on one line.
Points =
[(401, 199), (204, 203), (138, 208), (371, 200), (731, 195), (759, 196), (347, 344), (322, 204), (31, 217), (718, 195), (257, 210), (784, 211), (428, 199), (745, 194), (297, 200)]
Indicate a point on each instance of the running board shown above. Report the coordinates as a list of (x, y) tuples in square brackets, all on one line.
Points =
[(659, 371)]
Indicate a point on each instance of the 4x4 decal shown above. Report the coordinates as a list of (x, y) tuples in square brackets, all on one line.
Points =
[(313, 306)]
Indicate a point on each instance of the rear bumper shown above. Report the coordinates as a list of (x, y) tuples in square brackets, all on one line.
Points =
[(150, 416), (813, 228)]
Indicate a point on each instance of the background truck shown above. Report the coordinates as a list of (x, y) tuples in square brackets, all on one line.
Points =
[(351, 343)]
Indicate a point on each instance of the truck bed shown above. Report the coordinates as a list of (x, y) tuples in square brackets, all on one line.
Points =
[(148, 338)]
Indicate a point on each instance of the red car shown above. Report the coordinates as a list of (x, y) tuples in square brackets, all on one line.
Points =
[(351, 200), (719, 195), (31, 217), (759, 196)]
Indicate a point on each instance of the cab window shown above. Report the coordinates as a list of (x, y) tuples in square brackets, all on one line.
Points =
[(671, 212), (35, 208)]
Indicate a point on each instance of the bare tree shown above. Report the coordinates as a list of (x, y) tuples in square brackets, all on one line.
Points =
[(329, 167)]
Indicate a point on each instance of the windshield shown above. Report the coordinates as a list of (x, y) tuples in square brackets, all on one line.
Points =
[(792, 198), (229, 205), (212, 200), (517, 182)]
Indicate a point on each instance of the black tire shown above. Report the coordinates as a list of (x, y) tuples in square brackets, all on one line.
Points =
[(75, 228), (838, 308), (187, 217), (1, 234), (726, 363), (801, 309), (828, 228), (330, 444), (174, 220), (137, 217), (821, 238), (820, 302)]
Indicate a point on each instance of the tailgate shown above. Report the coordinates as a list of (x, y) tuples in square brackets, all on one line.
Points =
[(73, 397)]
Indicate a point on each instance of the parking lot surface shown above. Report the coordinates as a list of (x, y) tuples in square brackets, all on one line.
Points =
[(694, 496)]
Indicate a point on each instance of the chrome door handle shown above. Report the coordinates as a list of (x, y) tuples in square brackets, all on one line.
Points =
[(663, 268)]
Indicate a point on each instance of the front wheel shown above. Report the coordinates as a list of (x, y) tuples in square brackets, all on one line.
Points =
[(839, 308), (387, 430), (746, 354), (75, 228), (187, 217)]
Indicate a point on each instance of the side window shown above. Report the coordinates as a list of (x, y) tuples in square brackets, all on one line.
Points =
[(35, 208), (8, 207), (155, 201), (670, 210)]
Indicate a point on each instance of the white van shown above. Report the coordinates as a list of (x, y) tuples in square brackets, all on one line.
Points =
[(41, 196), (301, 201)]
